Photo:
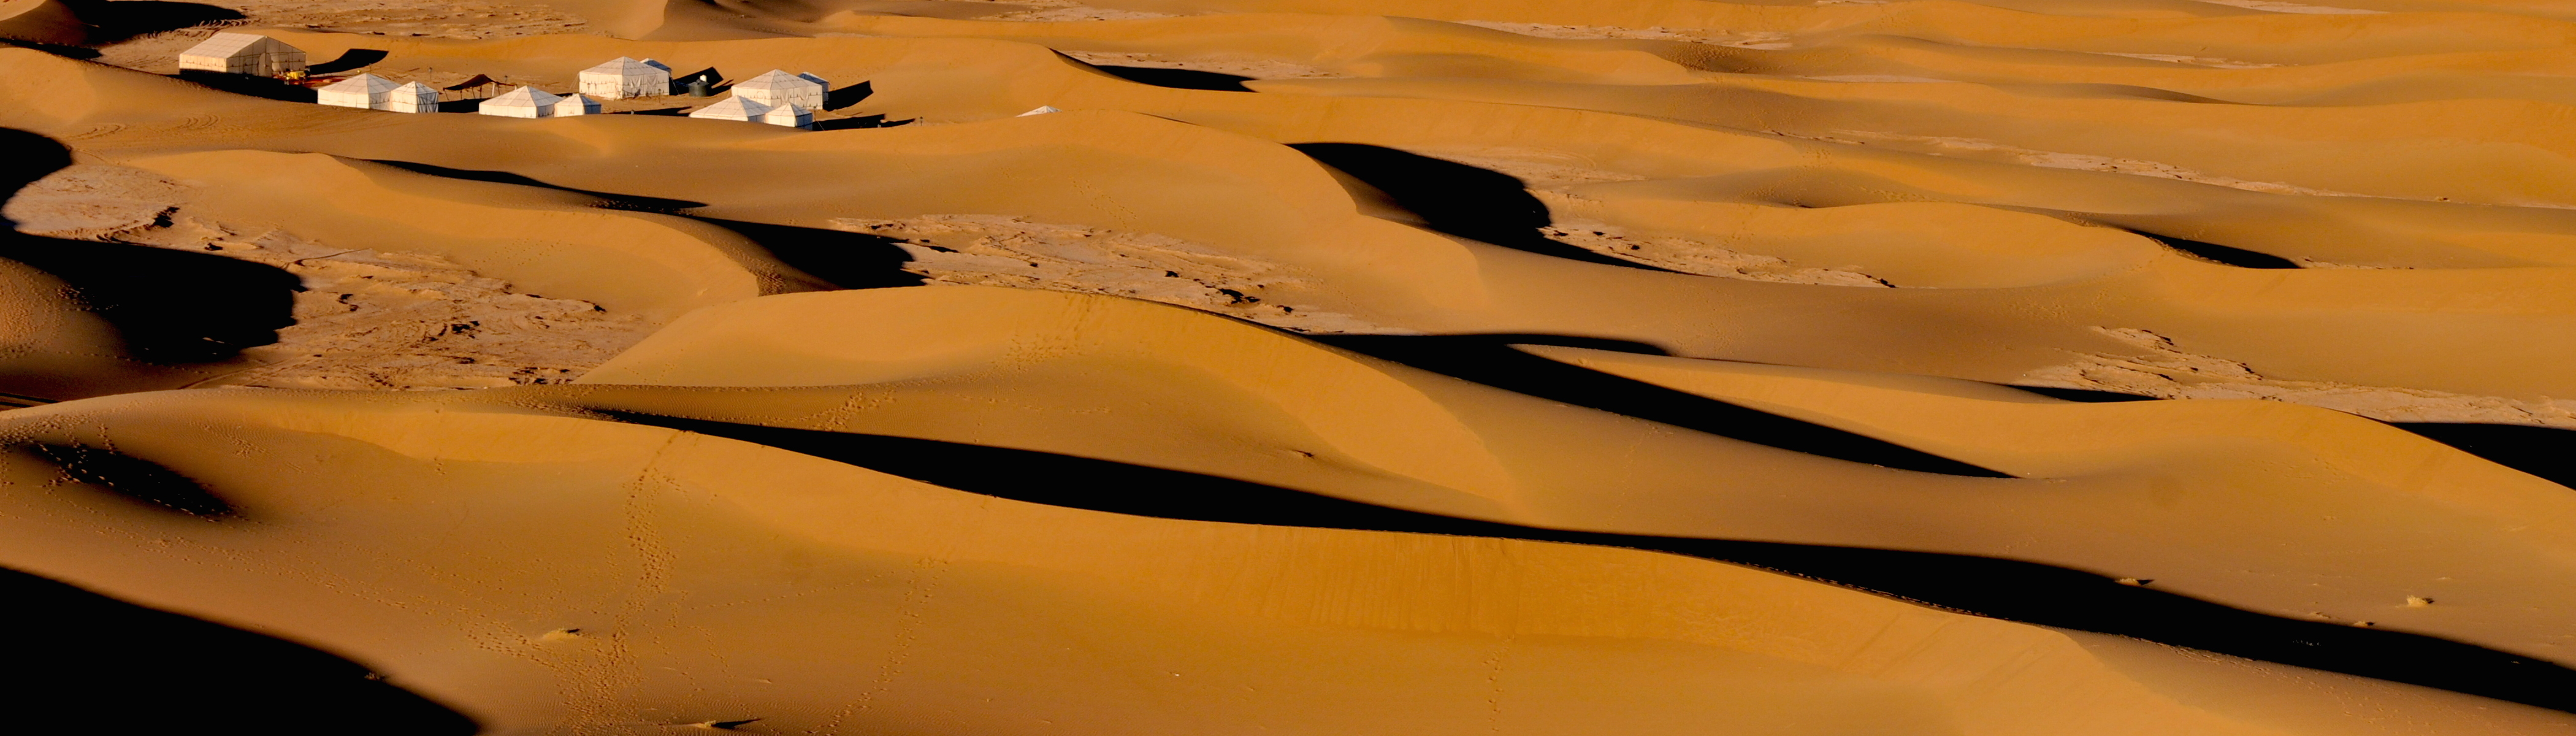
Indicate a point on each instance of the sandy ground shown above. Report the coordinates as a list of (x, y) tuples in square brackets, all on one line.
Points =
[(1404, 367)]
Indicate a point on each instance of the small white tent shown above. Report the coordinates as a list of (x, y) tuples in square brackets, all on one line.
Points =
[(576, 104), (242, 53), (780, 88), (740, 108), (624, 77), (791, 115), (732, 108), (1041, 110), (412, 97), (524, 102), (365, 92)]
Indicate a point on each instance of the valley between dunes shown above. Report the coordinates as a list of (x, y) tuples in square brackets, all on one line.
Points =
[(1318, 367)]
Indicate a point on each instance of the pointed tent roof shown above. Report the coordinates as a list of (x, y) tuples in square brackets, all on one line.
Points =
[(732, 108), (413, 88), (648, 61), (778, 79), (624, 65), (524, 97), (1042, 110), (228, 44), (367, 84)]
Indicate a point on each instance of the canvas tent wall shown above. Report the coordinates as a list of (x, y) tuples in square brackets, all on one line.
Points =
[(624, 77), (576, 104), (524, 102), (412, 97), (780, 88), (242, 53), (365, 92)]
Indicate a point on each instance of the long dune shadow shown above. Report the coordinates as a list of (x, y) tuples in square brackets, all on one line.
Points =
[(844, 259), (143, 482), (1490, 360), (2007, 589), (1179, 78), (246, 84), (350, 59), (2084, 395), (1455, 198), (2224, 254), (169, 307), (2547, 452), (609, 200), (92, 664), (117, 20)]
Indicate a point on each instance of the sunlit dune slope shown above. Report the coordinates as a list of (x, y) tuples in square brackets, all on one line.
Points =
[(561, 243), (543, 573), (2287, 510), (2302, 333)]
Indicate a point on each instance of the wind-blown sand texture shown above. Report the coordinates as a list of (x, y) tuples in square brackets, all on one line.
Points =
[(1319, 367)]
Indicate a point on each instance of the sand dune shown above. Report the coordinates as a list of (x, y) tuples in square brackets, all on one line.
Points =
[(1314, 366), (664, 579)]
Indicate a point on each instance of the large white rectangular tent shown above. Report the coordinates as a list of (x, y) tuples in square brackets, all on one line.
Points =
[(624, 77), (242, 53)]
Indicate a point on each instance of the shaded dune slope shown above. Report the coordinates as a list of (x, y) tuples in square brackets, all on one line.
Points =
[(660, 549)]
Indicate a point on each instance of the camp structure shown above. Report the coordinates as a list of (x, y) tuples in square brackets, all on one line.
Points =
[(524, 102), (1041, 110), (791, 115), (576, 104), (242, 53), (624, 77), (747, 110), (412, 97), (365, 92), (776, 88)]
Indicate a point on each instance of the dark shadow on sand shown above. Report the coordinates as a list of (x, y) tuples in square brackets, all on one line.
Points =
[(2547, 452), (1455, 198), (143, 482), (1490, 360), (2221, 254), (607, 200), (2019, 591), (246, 84), (117, 20), (169, 307), (351, 59), (844, 259), (98, 665), (1179, 78)]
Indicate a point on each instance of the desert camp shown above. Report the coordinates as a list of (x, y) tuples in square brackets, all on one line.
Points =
[(1417, 367)]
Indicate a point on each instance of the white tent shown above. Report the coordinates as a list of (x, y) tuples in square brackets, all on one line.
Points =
[(576, 104), (1041, 110), (780, 88), (744, 109), (624, 77), (524, 102), (242, 53), (412, 97), (791, 115), (732, 108), (365, 92)]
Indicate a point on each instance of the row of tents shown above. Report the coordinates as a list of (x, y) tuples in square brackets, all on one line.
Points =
[(775, 97)]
